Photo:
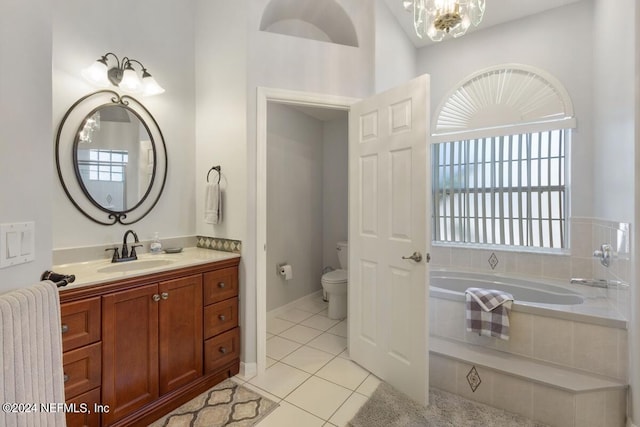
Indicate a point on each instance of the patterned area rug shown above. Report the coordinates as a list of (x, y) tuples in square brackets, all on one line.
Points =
[(388, 407), (227, 404)]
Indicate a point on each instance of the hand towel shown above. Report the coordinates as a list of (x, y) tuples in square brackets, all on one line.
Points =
[(213, 204), (487, 312)]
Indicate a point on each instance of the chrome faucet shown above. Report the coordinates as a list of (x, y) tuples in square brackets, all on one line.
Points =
[(126, 256)]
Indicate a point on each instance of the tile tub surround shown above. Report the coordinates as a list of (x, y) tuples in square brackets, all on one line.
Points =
[(556, 407), (586, 235), (575, 344), (560, 368)]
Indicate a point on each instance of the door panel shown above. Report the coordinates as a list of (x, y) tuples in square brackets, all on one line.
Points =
[(130, 350), (388, 187), (181, 328)]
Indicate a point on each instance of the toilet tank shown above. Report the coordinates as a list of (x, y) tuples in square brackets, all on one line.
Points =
[(343, 254)]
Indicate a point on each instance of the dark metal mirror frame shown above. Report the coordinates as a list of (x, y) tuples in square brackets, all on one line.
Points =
[(76, 187)]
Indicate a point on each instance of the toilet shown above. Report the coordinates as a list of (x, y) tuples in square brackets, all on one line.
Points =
[(334, 284)]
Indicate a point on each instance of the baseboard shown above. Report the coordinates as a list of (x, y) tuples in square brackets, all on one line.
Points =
[(248, 370), (276, 311)]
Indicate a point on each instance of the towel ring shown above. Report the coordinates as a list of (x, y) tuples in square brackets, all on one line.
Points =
[(217, 169)]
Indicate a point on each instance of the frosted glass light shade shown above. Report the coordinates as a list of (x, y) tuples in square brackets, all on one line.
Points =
[(130, 81), (96, 73), (150, 86)]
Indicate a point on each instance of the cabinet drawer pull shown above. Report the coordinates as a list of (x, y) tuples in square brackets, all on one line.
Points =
[(221, 285), (164, 295), (156, 297), (65, 378), (64, 328), (223, 350), (222, 317)]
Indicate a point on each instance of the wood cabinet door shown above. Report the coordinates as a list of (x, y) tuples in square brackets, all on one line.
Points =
[(180, 332), (130, 350)]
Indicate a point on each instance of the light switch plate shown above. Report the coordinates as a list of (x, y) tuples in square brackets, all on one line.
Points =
[(16, 243)]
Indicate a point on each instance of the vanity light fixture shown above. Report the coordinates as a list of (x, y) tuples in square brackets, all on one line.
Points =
[(123, 75), (439, 18)]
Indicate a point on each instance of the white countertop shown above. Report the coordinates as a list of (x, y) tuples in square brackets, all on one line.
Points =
[(88, 272)]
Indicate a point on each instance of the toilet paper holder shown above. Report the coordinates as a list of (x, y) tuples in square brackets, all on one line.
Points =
[(285, 271), (279, 267)]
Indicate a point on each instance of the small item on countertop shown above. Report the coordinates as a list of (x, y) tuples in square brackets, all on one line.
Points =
[(173, 250), (156, 246)]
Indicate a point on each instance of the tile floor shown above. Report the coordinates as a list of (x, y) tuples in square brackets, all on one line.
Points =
[(309, 372)]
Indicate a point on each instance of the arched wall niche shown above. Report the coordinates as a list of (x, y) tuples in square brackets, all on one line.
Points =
[(500, 97), (325, 21)]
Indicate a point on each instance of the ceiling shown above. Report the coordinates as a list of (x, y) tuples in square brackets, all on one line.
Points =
[(496, 12)]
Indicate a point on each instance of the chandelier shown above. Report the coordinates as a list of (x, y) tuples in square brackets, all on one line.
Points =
[(439, 18)]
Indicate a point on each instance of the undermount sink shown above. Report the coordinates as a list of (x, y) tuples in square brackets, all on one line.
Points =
[(135, 265)]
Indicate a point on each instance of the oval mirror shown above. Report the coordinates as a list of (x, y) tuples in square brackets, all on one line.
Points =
[(114, 158), (117, 156)]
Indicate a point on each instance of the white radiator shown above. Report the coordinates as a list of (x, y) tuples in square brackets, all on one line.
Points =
[(31, 384)]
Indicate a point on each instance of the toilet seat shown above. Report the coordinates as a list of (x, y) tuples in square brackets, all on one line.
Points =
[(335, 276)]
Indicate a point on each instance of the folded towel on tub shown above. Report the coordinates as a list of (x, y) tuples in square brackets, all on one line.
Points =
[(487, 312)]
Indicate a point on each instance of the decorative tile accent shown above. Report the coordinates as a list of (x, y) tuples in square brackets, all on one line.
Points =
[(493, 261), (219, 244), (474, 380)]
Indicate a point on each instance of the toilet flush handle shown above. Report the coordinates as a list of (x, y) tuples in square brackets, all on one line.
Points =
[(416, 256)]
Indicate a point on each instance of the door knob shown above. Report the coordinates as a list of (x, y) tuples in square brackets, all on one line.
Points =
[(416, 256)]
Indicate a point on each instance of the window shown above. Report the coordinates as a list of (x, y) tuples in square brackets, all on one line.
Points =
[(505, 190), (104, 165), (499, 160)]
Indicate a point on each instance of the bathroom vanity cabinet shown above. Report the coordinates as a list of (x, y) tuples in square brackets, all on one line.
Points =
[(137, 348)]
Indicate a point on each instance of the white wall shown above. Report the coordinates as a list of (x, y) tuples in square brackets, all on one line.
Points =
[(294, 203), (335, 188), (613, 107), (26, 167), (558, 41), (159, 34), (395, 58), (234, 58)]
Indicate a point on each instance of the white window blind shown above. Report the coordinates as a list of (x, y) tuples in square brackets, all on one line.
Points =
[(104, 165), (505, 190)]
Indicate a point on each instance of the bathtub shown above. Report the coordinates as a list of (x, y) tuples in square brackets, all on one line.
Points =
[(523, 291), (534, 296)]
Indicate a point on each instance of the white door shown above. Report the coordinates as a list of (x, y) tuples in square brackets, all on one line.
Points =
[(388, 187)]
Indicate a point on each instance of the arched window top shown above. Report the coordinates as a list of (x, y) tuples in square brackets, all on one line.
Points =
[(499, 99), (318, 20)]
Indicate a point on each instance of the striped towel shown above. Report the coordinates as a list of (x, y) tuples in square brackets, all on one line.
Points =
[(487, 312)]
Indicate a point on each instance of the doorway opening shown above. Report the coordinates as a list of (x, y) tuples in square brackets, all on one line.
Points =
[(319, 107)]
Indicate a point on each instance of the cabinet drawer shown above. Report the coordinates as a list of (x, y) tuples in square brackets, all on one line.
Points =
[(81, 418), (220, 317), (80, 323), (82, 369), (220, 285), (221, 349)]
